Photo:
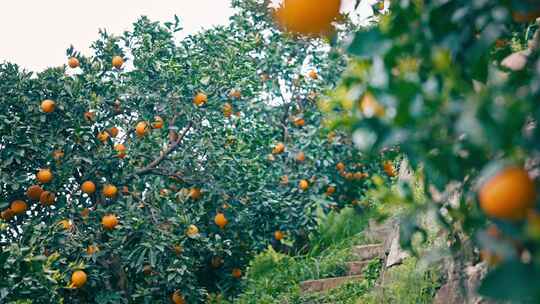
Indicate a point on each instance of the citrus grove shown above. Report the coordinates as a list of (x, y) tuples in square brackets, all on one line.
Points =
[(152, 171), (454, 85)]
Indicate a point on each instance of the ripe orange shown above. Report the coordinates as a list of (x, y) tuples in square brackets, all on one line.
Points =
[(141, 128), (33, 192), (121, 150), (92, 249), (158, 122), (178, 249), (48, 106), (299, 122), (57, 154), (303, 184), (236, 273), (227, 109), (508, 195), (88, 187), (103, 136), (66, 224), (73, 62), (47, 198), (200, 99), (371, 107), (113, 132), (44, 176), (308, 17), (7, 214), (221, 220), (235, 94), (195, 193), (278, 235), (349, 176), (330, 190), (89, 116), (109, 221), (389, 169), (340, 166), (359, 175), (18, 207), (313, 74), (78, 279), (178, 298), (300, 156), (117, 62), (110, 191), (192, 231), (278, 148)]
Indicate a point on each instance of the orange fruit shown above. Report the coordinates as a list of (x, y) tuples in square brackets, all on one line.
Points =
[(178, 298), (278, 235), (88, 187), (178, 249), (109, 221), (44, 176), (103, 136), (235, 94), (227, 109), (141, 128), (57, 154), (300, 156), (47, 106), (236, 273), (303, 184), (18, 207), (195, 193), (66, 224), (526, 16), (299, 122), (349, 176), (200, 99), (284, 180), (89, 116), (7, 215), (278, 148), (73, 62), (508, 195), (192, 231), (221, 220), (117, 62), (78, 279), (389, 169), (158, 122), (113, 132), (340, 166), (121, 150), (371, 107), (330, 190), (110, 191), (359, 175), (92, 249), (308, 17), (313, 74), (33, 192), (47, 198)]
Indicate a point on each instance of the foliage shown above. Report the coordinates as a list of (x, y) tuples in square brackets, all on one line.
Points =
[(428, 78), (166, 240)]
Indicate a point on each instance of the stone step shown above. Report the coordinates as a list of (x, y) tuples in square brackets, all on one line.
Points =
[(321, 285), (368, 252), (356, 268)]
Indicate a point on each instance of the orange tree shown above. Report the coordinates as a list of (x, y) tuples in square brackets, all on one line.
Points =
[(454, 85), (152, 171)]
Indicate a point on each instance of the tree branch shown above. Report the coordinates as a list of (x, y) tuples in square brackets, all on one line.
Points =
[(163, 154)]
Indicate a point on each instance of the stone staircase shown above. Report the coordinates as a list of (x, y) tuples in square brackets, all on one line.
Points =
[(363, 255)]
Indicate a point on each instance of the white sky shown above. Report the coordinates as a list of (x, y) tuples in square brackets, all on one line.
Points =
[(36, 33)]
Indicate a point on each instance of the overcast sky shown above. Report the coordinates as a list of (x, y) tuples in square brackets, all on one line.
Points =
[(36, 33)]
